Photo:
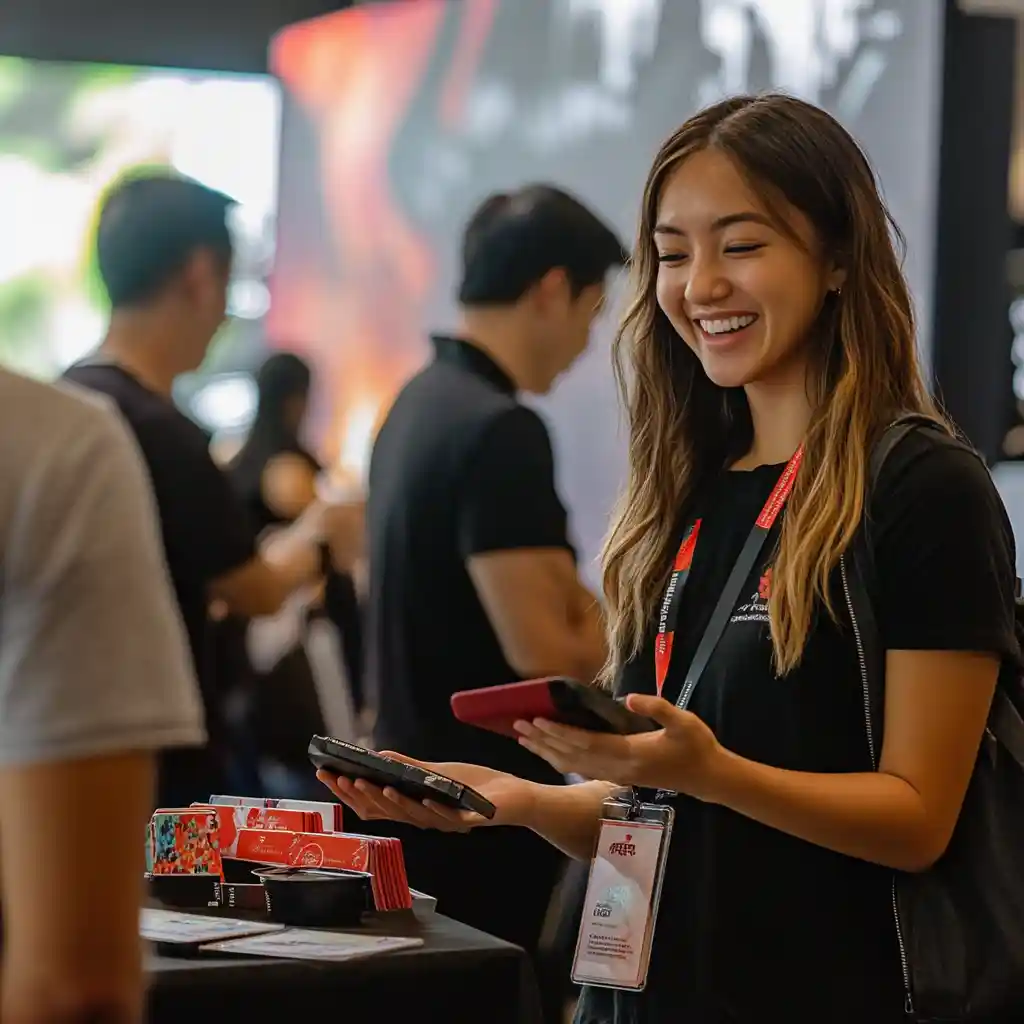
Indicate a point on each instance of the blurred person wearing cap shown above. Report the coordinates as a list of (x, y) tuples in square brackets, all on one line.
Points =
[(164, 250), (95, 678), (472, 578)]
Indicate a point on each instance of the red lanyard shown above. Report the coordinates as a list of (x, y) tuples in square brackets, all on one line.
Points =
[(669, 611)]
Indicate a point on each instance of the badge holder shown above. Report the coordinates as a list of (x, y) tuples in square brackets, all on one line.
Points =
[(620, 911)]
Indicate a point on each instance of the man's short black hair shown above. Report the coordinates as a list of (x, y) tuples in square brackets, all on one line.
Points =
[(514, 239), (150, 224)]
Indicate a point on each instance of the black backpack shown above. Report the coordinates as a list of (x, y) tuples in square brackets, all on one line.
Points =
[(960, 925)]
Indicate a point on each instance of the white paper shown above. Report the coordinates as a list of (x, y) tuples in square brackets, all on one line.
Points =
[(172, 926), (304, 944), (613, 948)]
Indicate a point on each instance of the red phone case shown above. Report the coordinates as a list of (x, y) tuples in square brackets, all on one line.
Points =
[(496, 707)]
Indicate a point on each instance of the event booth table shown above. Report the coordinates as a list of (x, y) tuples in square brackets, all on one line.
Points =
[(458, 976)]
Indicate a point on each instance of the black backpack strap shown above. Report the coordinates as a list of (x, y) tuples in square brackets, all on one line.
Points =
[(1006, 724), (1005, 721), (859, 580), (890, 440)]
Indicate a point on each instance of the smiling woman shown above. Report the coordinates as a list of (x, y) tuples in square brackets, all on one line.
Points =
[(749, 219), (769, 345)]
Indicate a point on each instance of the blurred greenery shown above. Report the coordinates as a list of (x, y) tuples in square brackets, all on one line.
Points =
[(40, 122), (68, 130), (38, 112), (23, 306), (96, 76), (14, 75)]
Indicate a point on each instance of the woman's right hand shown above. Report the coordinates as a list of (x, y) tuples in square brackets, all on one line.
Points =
[(512, 797)]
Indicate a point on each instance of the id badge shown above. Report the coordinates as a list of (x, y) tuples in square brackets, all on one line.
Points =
[(613, 949)]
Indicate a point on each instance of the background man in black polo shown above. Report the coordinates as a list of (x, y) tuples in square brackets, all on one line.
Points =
[(164, 252), (472, 579)]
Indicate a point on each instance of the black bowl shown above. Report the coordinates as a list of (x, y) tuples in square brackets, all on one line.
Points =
[(316, 898)]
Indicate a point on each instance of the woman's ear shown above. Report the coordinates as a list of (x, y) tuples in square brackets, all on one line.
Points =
[(836, 278)]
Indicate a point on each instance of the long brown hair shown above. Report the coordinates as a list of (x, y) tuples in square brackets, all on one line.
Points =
[(684, 429)]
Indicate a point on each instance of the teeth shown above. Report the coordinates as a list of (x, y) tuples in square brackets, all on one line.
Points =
[(725, 326)]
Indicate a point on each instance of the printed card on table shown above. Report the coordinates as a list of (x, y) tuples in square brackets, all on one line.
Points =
[(192, 929), (302, 944)]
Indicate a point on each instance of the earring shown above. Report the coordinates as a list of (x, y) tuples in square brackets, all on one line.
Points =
[(838, 291)]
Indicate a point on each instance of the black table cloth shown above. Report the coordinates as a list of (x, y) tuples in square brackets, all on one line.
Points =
[(458, 976)]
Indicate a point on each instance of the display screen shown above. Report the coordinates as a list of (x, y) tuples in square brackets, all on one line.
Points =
[(399, 118), (67, 131)]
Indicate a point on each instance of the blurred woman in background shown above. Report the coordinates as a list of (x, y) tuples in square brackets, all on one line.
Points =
[(273, 471), (276, 476)]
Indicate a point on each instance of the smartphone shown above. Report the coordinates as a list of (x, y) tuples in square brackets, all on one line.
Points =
[(558, 699), (354, 762)]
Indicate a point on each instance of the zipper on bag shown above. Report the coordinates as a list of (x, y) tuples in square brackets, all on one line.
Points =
[(866, 693)]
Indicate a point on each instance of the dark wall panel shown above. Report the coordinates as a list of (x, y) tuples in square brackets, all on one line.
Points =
[(228, 35), (971, 335)]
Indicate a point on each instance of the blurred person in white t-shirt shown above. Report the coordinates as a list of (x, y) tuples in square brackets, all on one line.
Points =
[(95, 678)]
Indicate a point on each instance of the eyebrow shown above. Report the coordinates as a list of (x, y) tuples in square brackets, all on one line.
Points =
[(747, 217)]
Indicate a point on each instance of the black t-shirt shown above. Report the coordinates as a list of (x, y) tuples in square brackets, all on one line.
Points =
[(206, 533), (459, 468), (756, 925)]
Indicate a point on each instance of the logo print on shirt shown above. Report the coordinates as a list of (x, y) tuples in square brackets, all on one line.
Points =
[(755, 607)]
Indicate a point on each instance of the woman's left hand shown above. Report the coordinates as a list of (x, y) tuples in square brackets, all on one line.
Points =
[(683, 755)]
